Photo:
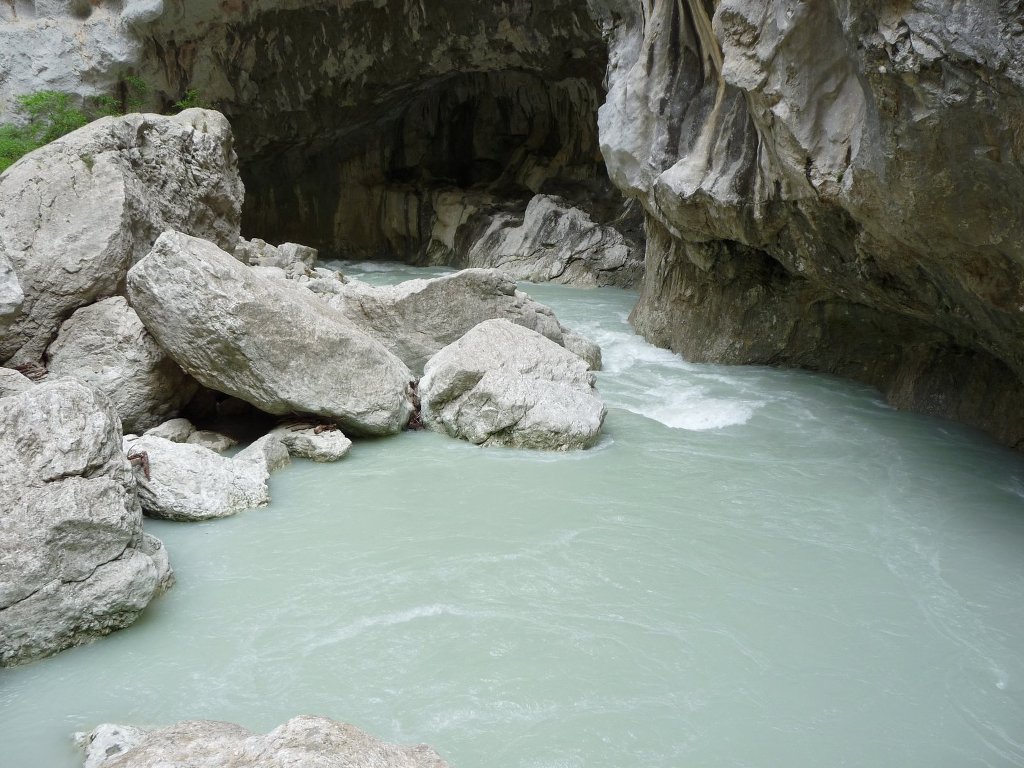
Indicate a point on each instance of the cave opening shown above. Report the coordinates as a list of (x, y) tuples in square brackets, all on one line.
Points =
[(359, 126)]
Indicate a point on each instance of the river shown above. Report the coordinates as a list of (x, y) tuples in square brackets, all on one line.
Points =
[(754, 568)]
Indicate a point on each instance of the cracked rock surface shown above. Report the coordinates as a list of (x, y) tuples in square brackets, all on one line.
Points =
[(74, 561), (503, 384)]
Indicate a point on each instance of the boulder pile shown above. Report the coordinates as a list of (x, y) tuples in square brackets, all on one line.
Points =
[(128, 301)]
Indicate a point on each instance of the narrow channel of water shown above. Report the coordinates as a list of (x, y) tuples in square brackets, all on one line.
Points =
[(754, 568)]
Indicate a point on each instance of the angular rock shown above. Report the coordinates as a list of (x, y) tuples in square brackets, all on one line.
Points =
[(107, 741), (417, 318), (269, 453), (302, 742), (269, 343), (77, 213), (305, 442), (190, 482), (12, 382), (74, 561), (502, 384), (106, 346), (553, 241)]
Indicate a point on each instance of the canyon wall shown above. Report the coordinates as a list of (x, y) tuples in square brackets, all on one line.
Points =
[(834, 185)]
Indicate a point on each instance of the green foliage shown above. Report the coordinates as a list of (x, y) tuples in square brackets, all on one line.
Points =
[(14, 143), (51, 114), (190, 100), (134, 90)]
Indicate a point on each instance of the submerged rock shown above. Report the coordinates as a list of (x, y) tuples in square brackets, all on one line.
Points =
[(267, 342), (74, 561), (106, 346), (502, 384), (77, 213), (302, 742), (189, 482), (416, 318)]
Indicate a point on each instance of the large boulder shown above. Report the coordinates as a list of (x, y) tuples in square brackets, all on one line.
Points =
[(74, 561), (502, 384), (77, 213), (268, 342), (189, 482), (302, 742), (552, 241), (416, 318), (106, 346)]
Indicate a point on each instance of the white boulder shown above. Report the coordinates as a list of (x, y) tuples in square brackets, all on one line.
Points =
[(416, 318), (502, 384), (267, 342), (302, 742), (184, 481)]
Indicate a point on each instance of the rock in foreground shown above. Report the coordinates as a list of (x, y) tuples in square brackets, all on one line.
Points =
[(266, 342), (502, 384), (302, 742), (74, 562)]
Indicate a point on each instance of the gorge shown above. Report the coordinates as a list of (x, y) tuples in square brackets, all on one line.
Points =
[(747, 566)]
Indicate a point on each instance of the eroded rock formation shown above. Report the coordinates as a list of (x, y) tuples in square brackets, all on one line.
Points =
[(836, 186), (833, 186)]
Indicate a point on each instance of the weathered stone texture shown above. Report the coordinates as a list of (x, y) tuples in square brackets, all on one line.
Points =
[(74, 562)]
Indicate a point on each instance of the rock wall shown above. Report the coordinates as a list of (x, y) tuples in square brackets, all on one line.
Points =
[(832, 185), (350, 116)]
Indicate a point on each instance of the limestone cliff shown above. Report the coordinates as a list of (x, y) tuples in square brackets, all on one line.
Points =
[(832, 185)]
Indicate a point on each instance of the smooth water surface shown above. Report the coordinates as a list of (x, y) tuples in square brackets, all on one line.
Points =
[(753, 568)]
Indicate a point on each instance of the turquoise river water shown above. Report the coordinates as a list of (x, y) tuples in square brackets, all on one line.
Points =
[(753, 568)]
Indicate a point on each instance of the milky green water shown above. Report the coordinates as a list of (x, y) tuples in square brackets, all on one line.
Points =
[(753, 568)]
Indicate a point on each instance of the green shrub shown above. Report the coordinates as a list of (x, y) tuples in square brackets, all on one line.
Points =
[(51, 114), (190, 100)]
